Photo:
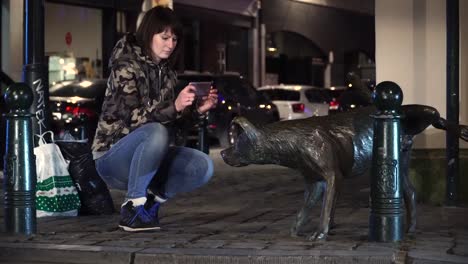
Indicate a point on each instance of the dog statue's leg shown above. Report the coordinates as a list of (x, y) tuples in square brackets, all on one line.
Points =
[(313, 192), (332, 214), (328, 198), (417, 118), (409, 193)]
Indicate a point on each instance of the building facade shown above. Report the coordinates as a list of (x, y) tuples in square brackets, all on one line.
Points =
[(411, 50)]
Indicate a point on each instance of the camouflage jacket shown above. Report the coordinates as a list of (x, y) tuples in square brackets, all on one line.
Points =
[(138, 92)]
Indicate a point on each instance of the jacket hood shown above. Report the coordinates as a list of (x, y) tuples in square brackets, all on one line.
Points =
[(127, 49)]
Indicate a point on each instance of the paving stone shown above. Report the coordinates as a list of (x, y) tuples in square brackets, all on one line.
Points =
[(430, 236), (207, 244), (225, 236), (82, 242), (145, 235), (162, 244), (104, 235), (460, 249), (423, 256), (370, 246), (294, 242), (178, 237), (246, 245), (9, 238), (216, 226), (288, 247), (461, 240), (432, 245), (463, 252), (266, 236), (249, 227), (336, 245), (243, 217), (121, 243), (273, 217), (164, 220), (461, 233), (77, 224)]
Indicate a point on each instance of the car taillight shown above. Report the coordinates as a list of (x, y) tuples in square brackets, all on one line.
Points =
[(334, 105), (76, 111), (298, 108)]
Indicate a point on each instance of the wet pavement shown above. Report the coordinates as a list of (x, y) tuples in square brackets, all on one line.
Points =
[(242, 216)]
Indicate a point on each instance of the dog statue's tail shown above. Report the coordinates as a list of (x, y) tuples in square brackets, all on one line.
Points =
[(419, 117), (464, 132), (460, 130)]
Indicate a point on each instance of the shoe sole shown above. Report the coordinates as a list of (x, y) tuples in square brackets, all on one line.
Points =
[(141, 229)]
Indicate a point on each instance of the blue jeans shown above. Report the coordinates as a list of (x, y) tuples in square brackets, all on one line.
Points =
[(143, 159)]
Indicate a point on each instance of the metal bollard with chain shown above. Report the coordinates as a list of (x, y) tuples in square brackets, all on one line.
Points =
[(386, 213), (19, 167)]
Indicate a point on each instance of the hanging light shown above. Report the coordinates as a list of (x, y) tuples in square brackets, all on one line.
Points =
[(271, 45)]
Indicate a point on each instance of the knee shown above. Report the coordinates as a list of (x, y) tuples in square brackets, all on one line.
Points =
[(157, 134), (206, 168)]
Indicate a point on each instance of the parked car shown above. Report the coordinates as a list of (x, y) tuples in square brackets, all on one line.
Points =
[(344, 98), (297, 101), (237, 97), (75, 107), (335, 94), (5, 82)]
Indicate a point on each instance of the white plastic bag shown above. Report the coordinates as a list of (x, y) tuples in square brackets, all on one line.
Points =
[(56, 194)]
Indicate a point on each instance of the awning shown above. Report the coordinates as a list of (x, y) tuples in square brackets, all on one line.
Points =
[(239, 7)]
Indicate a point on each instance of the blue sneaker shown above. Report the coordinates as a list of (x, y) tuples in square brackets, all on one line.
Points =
[(137, 218), (152, 207)]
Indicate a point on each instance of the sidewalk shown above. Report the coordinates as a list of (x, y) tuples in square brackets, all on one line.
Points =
[(242, 216)]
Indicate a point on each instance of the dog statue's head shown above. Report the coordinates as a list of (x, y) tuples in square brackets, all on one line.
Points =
[(248, 148)]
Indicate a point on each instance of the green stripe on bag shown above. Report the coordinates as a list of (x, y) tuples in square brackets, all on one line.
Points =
[(54, 181), (58, 203)]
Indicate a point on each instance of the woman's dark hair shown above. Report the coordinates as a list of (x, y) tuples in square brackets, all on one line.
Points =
[(155, 21)]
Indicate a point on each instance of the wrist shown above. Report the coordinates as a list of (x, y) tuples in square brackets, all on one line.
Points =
[(200, 112), (177, 108)]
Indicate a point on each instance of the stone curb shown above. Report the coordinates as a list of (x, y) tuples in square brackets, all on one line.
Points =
[(424, 256), (55, 253)]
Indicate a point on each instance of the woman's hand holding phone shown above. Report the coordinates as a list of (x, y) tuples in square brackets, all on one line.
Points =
[(201, 88), (185, 98), (207, 102), (202, 92)]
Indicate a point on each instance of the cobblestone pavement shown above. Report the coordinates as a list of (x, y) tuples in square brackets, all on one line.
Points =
[(242, 216)]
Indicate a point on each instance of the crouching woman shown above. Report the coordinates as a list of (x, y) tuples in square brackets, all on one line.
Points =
[(131, 146)]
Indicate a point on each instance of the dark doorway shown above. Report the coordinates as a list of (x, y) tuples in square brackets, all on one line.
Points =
[(294, 59), (360, 63)]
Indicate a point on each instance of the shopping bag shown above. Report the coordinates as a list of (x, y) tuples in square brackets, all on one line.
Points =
[(56, 194)]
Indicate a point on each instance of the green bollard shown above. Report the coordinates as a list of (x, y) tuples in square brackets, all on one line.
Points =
[(19, 163), (386, 213)]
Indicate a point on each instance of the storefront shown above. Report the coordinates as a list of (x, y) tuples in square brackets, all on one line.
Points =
[(79, 35), (219, 36)]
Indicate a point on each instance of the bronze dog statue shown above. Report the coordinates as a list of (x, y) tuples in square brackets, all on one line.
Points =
[(327, 149)]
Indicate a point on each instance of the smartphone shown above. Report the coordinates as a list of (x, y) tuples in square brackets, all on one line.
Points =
[(202, 88)]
